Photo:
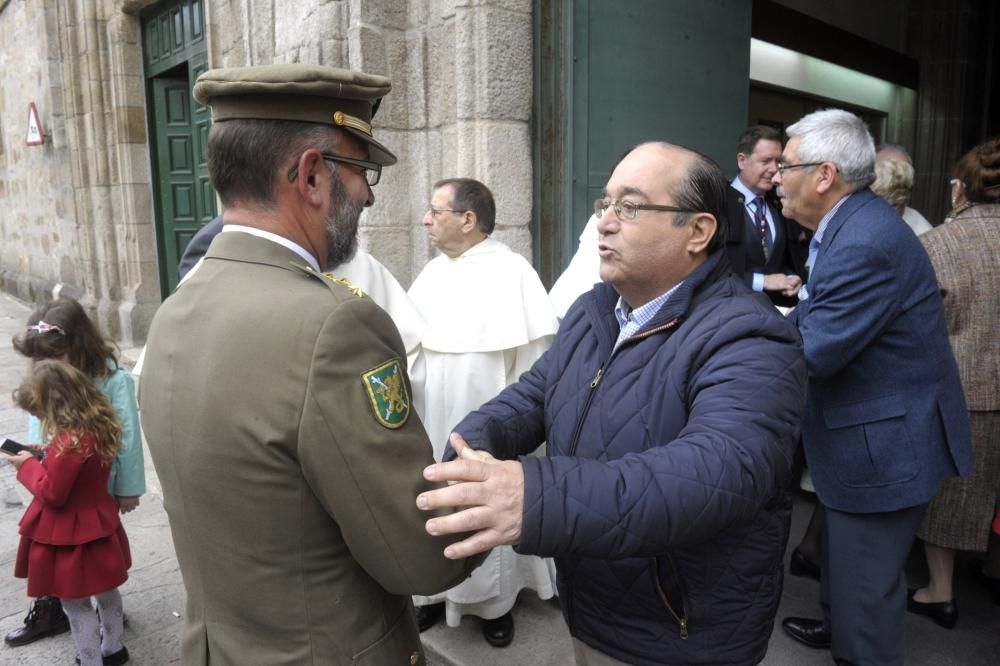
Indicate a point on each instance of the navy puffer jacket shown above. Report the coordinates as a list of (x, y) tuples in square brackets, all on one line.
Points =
[(664, 493)]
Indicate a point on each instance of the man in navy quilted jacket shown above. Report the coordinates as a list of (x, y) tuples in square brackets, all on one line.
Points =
[(670, 402)]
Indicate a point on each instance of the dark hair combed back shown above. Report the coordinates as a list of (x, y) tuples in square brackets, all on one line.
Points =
[(704, 190), (751, 135), (65, 400), (979, 170), (79, 341), (472, 195), (246, 157)]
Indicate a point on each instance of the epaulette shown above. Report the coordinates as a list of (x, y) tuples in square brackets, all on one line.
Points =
[(330, 277), (344, 281)]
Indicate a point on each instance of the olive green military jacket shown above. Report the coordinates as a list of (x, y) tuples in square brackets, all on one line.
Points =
[(277, 410)]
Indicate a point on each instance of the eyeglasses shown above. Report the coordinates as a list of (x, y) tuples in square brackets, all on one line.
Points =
[(627, 210), (782, 167), (437, 211), (955, 181), (372, 171)]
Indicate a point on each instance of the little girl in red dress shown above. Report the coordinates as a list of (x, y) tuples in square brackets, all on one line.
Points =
[(73, 545)]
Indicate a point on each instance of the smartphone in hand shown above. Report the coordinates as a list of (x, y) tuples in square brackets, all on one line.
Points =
[(12, 448)]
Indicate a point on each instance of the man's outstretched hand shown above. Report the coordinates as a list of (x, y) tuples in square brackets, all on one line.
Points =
[(490, 493)]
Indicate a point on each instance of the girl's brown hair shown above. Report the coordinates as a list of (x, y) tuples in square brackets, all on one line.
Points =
[(62, 329), (66, 400)]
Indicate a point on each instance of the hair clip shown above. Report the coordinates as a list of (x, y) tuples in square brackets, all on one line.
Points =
[(41, 328)]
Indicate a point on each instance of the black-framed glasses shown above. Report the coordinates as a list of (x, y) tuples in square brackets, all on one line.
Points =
[(437, 211), (372, 170), (627, 210), (782, 167)]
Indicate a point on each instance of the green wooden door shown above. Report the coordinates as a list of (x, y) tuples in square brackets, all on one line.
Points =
[(175, 55), (185, 199), (634, 71)]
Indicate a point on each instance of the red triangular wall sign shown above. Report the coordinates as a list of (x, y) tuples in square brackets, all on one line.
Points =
[(36, 135)]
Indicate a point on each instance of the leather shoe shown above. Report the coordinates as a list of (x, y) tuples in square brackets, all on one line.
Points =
[(800, 565), (812, 633), (114, 659), (944, 613), (499, 632), (991, 584), (427, 616), (44, 618), (118, 658)]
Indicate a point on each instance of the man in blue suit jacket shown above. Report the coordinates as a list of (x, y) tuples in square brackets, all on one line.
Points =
[(885, 419)]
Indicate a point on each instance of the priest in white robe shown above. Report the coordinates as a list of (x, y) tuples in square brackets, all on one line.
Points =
[(583, 272), (489, 318)]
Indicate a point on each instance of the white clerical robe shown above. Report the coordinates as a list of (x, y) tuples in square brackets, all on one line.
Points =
[(583, 272), (489, 319)]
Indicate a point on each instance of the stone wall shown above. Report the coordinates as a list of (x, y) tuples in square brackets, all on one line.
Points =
[(78, 212), (461, 102), (38, 221)]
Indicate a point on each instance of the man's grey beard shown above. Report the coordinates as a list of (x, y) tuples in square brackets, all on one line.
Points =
[(341, 226)]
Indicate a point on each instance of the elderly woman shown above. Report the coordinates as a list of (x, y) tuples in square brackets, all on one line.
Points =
[(894, 183), (965, 253)]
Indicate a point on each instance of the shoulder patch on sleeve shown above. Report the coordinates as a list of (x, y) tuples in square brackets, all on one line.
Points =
[(387, 393)]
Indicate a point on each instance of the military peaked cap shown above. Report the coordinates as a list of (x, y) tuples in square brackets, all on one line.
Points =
[(309, 93)]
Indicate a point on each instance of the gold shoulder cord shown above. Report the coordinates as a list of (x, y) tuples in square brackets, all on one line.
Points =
[(330, 277), (345, 282)]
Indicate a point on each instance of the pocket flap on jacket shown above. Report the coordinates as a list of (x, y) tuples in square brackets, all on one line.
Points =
[(868, 411)]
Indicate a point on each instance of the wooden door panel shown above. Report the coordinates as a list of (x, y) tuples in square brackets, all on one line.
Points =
[(175, 169)]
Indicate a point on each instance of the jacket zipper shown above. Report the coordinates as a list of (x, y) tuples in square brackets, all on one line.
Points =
[(575, 442), (681, 619), (594, 383)]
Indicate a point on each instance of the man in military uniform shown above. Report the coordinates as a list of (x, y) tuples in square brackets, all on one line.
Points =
[(275, 398)]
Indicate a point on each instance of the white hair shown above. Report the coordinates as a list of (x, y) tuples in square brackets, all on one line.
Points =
[(834, 135)]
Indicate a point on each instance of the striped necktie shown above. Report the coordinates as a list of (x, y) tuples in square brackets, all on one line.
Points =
[(760, 220)]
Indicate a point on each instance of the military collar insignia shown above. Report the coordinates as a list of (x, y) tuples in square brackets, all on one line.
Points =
[(386, 388)]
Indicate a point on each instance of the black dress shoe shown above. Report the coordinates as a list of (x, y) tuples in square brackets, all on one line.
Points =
[(117, 659), (944, 613), (44, 618), (499, 632), (991, 584), (113, 659), (800, 565), (427, 616), (813, 633)]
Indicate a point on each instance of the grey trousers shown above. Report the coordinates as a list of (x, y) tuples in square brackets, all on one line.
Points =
[(863, 589), (588, 656)]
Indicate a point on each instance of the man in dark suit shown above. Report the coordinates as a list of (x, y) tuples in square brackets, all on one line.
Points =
[(768, 250), (198, 246), (885, 419)]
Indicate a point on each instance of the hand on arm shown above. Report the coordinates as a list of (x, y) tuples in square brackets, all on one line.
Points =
[(491, 492)]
